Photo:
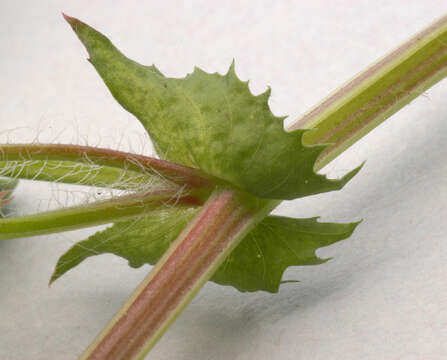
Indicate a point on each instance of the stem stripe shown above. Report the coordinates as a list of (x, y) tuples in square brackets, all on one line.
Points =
[(378, 92), (185, 267)]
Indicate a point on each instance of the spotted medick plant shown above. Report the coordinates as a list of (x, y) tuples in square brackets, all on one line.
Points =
[(201, 211)]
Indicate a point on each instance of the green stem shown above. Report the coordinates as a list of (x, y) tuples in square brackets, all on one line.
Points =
[(378, 92), (190, 261), (176, 173), (97, 213)]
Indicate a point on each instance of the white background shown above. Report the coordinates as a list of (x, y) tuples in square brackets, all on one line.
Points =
[(383, 296)]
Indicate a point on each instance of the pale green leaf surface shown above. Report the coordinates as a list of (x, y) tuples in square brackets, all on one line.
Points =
[(257, 263), (211, 122)]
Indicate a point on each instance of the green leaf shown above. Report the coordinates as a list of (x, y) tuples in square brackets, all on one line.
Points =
[(211, 122), (140, 240), (256, 264), (7, 186), (275, 244)]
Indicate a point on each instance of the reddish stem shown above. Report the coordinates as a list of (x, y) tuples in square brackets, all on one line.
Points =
[(176, 173), (192, 259)]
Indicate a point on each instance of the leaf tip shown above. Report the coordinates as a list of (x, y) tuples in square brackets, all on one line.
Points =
[(232, 68), (345, 179), (197, 70), (354, 225), (53, 278), (266, 94), (73, 22), (67, 18), (94, 41)]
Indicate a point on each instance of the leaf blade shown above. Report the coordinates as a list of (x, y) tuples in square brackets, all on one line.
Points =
[(256, 264), (211, 122)]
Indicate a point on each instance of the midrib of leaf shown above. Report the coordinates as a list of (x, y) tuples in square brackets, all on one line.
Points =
[(377, 93)]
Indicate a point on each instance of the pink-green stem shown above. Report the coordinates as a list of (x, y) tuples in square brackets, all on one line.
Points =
[(83, 174), (374, 95), (191, 260), (176, 173)]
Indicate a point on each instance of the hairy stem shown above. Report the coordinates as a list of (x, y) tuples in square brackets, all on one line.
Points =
[(176, 173), (190, 261), (97, 213), (378, 92), (68, 172)]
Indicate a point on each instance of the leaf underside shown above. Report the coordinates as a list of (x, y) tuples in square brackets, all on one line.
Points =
[(257, 263), (211, 122)]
